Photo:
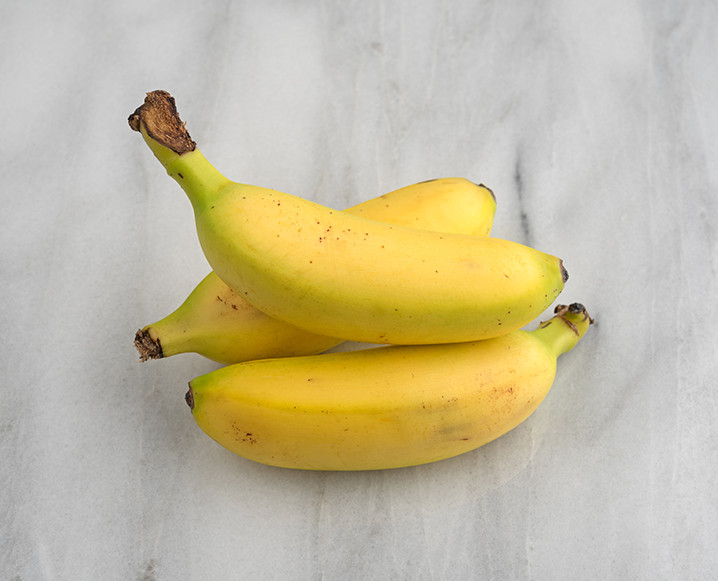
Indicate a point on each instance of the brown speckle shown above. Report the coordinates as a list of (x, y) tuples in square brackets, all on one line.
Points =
[(248, 438)]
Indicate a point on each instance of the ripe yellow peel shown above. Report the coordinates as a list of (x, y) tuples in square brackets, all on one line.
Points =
[(346, 276), (216, 322), (443, 205), (385, 407)]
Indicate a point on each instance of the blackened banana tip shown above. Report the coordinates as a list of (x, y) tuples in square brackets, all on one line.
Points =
[(564, 272), (489, 190), (189, 397), (147, 347), (134, 119)]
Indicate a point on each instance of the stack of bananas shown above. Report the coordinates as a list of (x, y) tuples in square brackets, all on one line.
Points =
[(414, 269)]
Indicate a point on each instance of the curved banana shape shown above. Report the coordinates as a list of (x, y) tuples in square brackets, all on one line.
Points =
[(383, 407), (217, 323), (347, 276)]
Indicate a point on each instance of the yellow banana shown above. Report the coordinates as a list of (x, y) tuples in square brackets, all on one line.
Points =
[(346, 276), (383, 407), (216, 322)]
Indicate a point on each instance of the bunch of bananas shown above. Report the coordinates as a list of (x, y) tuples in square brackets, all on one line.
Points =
[(414, 269)]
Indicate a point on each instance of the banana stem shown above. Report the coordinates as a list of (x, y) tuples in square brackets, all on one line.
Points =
[(166, 135), (562, 332)]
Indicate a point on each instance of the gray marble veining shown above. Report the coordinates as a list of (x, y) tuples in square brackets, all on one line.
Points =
[(594, 123)]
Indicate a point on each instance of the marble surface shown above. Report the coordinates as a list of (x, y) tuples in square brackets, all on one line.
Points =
[(596, 125)]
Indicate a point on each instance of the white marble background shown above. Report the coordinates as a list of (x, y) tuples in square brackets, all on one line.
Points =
[(596, 124)]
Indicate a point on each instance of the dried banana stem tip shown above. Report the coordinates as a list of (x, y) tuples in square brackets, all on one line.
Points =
[(159, 116)]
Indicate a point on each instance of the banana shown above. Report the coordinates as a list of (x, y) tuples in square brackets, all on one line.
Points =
[(347, 276), (217, 323), (383, 407)]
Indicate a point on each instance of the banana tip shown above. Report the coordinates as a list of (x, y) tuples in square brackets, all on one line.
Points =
[(574, 309), (189, 397), (564, 273), (488, 189), (579, 309), (147, 347)]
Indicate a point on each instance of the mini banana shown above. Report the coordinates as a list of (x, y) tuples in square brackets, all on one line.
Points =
[(347, 276), (383, 407), (217, 323)]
